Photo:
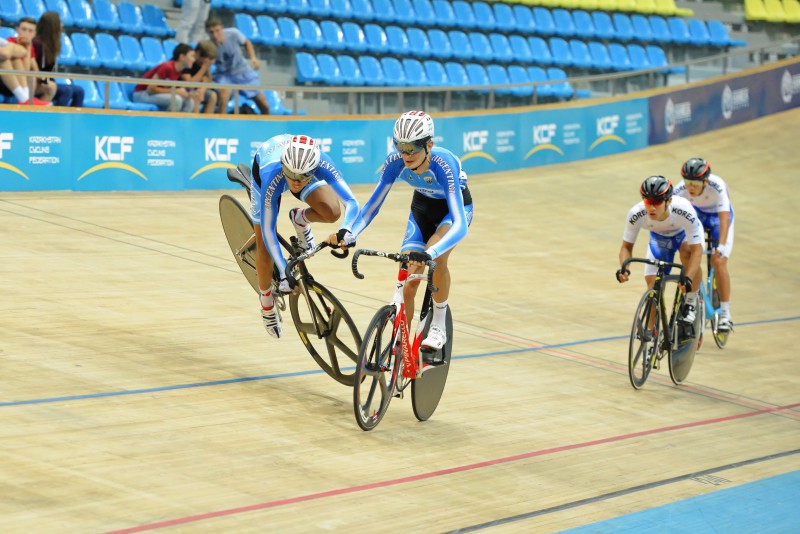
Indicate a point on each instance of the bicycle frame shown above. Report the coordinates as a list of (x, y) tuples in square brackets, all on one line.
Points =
[(412, 358)]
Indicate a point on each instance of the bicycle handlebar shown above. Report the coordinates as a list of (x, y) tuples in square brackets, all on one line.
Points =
[(658, 263), (400, 258), (308, 254)]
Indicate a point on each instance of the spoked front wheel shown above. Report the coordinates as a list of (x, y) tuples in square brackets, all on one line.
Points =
[(326, 329), (645, 339), (377, 369)]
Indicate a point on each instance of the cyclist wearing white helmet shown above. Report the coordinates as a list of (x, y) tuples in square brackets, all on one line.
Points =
[(441, 209), (293, 163)]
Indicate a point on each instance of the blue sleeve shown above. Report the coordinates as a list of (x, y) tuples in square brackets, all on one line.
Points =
[(333, 178), (447, 171), (391, 170)]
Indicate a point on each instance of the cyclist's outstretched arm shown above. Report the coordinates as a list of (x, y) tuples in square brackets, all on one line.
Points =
[(391, 170), (625, 253)]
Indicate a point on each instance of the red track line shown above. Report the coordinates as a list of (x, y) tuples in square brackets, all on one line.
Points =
[(442, 472)]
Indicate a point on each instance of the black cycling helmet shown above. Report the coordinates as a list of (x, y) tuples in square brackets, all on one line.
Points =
[(696, 169), (656, 188)]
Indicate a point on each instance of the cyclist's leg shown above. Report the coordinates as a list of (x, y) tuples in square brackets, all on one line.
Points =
[(722, 275), (264, 268), (323, 203)]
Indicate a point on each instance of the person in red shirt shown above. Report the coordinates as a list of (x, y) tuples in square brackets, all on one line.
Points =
[(182, 58), (16, 53)]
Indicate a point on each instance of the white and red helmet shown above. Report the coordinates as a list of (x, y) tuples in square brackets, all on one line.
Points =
[(413, 127), (301, 155)]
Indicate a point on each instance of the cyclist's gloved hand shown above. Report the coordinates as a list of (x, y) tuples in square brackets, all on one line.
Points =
[(686, 282), (724, 250), (344, 235), (620, 272), (284, 286), (421, 257)]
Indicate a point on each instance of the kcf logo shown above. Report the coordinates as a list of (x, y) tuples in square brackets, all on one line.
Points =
[(220, 149), (5, 142), (607, 125), (543, 133), (474, 141), (112, 147), (324, 144)]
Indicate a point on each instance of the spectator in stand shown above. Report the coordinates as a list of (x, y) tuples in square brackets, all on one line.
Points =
[(193, 18), (14, 56), (200, 71), (47, 48), (232, 69), (160, 95)]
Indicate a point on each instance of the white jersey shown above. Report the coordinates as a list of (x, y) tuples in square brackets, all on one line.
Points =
[(682, 217), (713, 199)]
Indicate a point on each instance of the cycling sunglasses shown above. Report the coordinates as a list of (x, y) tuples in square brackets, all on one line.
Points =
[(694, 182), (654, 203), (297, 177), (409, 149)]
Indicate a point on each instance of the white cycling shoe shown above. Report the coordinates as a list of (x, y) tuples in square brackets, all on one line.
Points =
[(304, 233), (435, 339), (272, 322)]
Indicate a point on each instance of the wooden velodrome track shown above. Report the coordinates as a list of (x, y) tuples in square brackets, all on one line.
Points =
[(139, 390)]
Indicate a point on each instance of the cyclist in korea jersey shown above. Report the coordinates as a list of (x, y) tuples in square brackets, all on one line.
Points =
[(441, 210), (674, 226), (296, 164), (709, 195)]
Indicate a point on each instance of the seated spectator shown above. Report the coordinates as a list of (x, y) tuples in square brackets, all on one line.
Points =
[(47, 48), (232, 69), (14, 56), (160, 95), (200, 71)]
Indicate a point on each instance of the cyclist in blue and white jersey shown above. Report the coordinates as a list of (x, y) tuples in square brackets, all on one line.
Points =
[(674, 226), (293, 163), (441, 210), (709, 195)]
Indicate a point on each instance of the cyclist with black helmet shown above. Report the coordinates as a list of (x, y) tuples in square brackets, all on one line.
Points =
[(293, 163), (441, 210), (709, 195), (674, 226)]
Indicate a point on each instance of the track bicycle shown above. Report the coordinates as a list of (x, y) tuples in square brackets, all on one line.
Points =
[(389, 360), (655, 334), (709, 290), (322, 322)]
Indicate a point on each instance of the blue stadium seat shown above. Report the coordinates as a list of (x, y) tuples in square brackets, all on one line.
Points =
[(440, 45), (384, 11), (11, 10), (354, 37), (269, 31), (658, 58), (82, 14), (110, 53), (462, 49), (371, 70), (311, 34), (517, 74), (415, 72), (155, 22), (86, 50), (521, 49), (501, 47), (153, 51), (273, 7), (524, 17), (623, 28), (559, 48), (641, 28), (319, 8), (422, 9), (118, 98), (307, 68), (290, 32), (351, 72), (581, 58), (362, 10), (477, 75), (603, 28), (565, 27), (638, 57), (5, 33), (393, 72), (92, 97), (484, 16), (297, 8), (67, 56), (544, 21), (377, 43), (563, 89), (584, 25), (445, 17), (465, 17), (132, 54), (332, 35), (436, 73), (661, 33), (601, 59), (329, 69), (539, 75), (34, 8), (130, 18), (246, 24), (60, 7), (169, 46), (456, 73), (698, 32), (504, 17), (540, 51), (481, 48), (679, 30), (619, 57), (341, 9), (418, 42), (398, 44), (499, 76), (719, 36), (106, 15)]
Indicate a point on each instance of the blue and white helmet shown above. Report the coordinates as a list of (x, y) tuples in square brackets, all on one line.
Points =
[(413, 127)]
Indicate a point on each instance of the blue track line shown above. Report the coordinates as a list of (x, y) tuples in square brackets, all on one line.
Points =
[(318, 371)]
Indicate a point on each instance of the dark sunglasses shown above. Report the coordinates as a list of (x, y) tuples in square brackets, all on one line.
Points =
[(409, 148), (654, 203), (296, 177)]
